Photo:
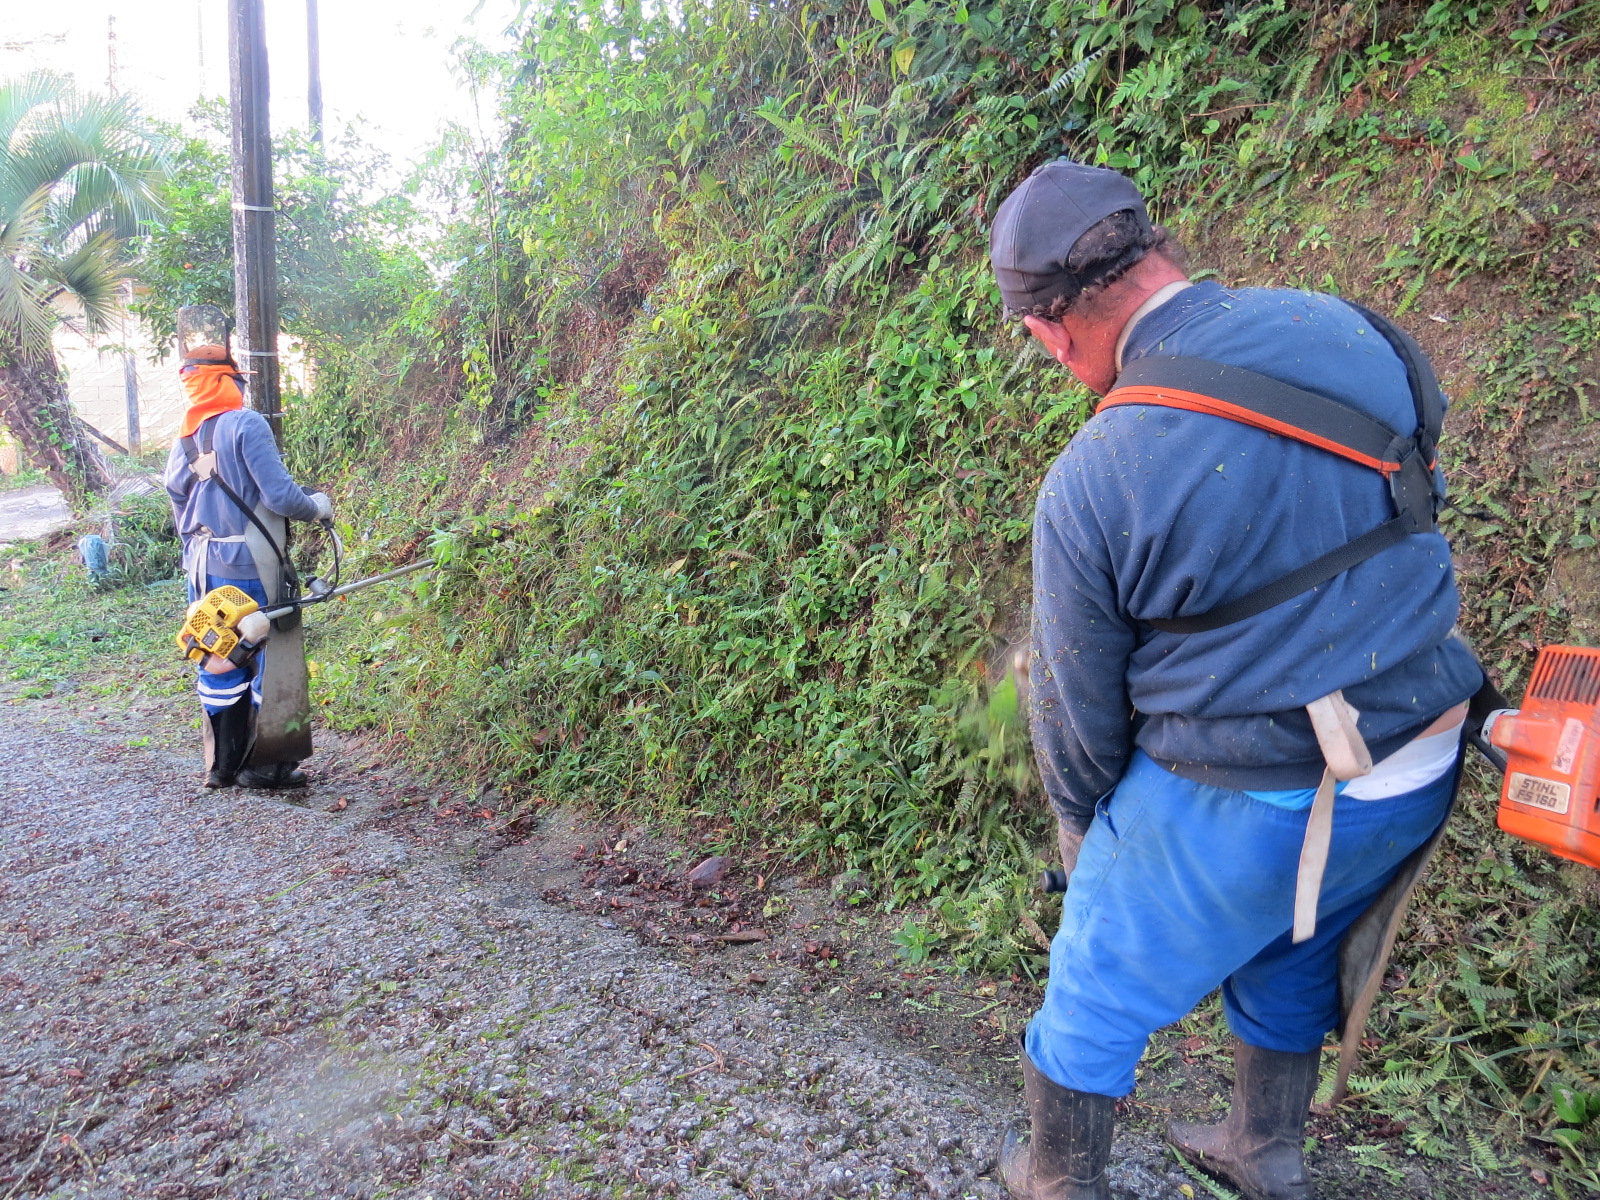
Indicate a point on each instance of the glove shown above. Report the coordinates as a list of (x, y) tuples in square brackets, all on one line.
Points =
[(254, 627), (324, 506)]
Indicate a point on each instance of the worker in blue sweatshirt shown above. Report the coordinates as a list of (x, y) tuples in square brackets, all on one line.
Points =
[(238, 539), (1247, 702)]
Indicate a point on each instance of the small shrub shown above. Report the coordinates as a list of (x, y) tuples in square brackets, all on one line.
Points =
[(145, 547)]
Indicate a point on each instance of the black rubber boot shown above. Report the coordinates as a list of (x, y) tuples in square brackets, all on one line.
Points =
[(1066, 1156), (276, 776), (1259, 1148), (230, 739)]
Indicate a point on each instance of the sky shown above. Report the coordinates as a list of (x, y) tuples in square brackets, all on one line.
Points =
[(387, 62)]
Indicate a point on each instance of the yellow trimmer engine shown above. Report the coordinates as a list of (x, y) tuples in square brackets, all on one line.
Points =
[(225, 622)]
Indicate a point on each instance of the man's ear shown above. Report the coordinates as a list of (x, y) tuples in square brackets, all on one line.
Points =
[(1053, 335)]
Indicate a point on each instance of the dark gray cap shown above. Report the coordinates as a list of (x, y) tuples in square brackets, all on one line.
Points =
[(1040, 222)]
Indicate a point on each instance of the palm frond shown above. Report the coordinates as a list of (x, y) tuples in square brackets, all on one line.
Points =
[(124, 193), (24, 225), (22, 96), (26, 318), (92, 158), (79, 172), (92, 274)]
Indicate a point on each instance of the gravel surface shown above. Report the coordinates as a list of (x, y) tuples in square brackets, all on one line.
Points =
[(221, 994)]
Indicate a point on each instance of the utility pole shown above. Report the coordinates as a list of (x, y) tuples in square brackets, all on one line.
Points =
[(283, 722), (255, 273), (130, 389), (130, 368), (314, 71)]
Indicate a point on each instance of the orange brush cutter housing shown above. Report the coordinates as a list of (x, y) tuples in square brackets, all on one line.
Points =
[(1552, 747)]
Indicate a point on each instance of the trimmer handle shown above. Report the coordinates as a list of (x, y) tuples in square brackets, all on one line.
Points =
[(1479, 739), (1486, 707), (1052, 881)]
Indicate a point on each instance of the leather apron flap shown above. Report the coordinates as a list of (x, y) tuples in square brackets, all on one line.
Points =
[(283, 723), (1364, 951), (1333, 719)]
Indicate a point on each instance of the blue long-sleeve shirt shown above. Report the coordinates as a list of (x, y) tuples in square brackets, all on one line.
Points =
[(248, 459), (1155, 512)]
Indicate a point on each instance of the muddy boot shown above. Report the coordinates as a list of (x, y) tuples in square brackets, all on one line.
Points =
[(1066, 1156), (1259, 1147), (276, 776), (230, 739)]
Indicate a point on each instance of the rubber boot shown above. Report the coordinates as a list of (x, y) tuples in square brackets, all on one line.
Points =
[(1259, 1148), (276, 776), (1066, 1156), (230, 738)]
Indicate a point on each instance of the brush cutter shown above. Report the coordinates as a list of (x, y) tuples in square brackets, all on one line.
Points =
[(229, 624), (1549, 750)]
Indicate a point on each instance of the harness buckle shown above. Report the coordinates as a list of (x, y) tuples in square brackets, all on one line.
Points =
[(1414, 488)]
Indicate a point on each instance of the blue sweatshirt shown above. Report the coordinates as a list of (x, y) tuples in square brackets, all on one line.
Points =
[(248, 459), (1154, 512)]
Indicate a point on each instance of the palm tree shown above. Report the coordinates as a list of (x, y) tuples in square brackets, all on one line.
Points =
[(78, 173)]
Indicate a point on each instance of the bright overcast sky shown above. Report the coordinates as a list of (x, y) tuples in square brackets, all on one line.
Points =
[(386, 62)]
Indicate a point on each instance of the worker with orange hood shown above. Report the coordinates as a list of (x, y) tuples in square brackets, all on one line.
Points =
[(232, 499)]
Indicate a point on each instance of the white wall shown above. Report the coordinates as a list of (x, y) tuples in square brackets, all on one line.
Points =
[(95, 383)]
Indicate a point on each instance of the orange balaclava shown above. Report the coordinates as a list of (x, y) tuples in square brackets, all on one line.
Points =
[(212, 388)]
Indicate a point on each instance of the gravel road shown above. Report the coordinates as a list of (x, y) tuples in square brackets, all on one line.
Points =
[(208, 995)]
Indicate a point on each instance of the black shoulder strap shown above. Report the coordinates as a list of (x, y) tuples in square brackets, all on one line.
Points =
[(200, 441), (1258, 400), (1198, 384), (1286, 587), (1427, 398)]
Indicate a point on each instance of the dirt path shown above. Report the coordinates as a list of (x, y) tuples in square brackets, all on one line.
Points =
[(216, 995)]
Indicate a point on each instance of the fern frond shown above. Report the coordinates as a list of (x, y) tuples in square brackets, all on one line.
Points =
[(1413, 290), (1483, 1156)]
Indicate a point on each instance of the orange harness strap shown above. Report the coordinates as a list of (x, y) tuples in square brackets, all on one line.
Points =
[(1281, 409), (1195, 402)]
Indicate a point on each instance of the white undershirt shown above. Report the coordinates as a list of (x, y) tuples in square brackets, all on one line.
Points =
[(1416, 764), (1154, 301)]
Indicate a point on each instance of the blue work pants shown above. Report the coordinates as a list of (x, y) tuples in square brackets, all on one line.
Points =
[(1181, 888)]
